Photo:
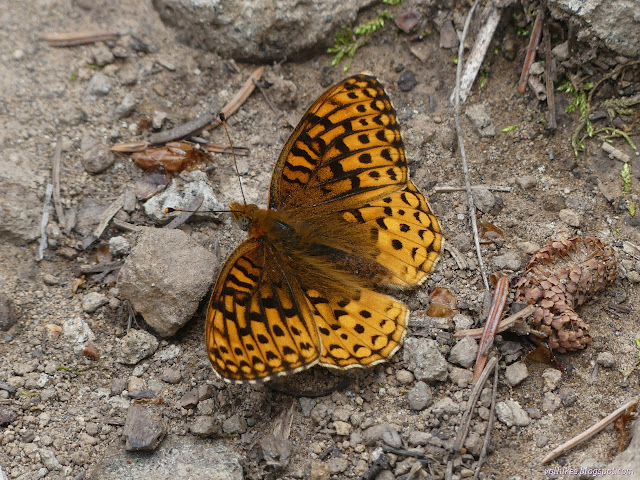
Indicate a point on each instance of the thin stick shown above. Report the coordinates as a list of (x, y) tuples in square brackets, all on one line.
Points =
[(589, 432), (69, 39), (495, 314), (106, 217), (44, 221), (192, 127), (505, 324), (55, 178), (129, 147), (492, 418), (447, 189), (209, 120), (126, 226), (534, 40), (239, 98), (105, 267), (463, 429), (479, 50), (465, 168), (548, 71)]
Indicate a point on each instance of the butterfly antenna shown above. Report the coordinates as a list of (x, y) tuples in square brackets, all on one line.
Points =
[(233, 153)]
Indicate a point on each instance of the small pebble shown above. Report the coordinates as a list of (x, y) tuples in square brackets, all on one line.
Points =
[(448, 36), (510, 260), (119, 246), (526, 181), (143, 429), (205, 426), (92, 301), (551, 378), (342, 428), (551, 402), (516, 373), (511, 413), (171, 375), (337, 465), (570, 217), (464, 352), (420, 396), (404, 377), (99, 84), (235, 424), (8, 317), (606, 360), (126, 107), (407, 81), (135, 346)]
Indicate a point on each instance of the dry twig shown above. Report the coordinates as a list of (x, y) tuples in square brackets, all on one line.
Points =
[(55, 179), (70, 39), (239, 98), (104, 267), (106, 217), (615, 153), (463, 429), (130, 147), (492, 418), (457, 256), (479, 50), (493, 319), (495, 188), (209, 120), (44, 221), (505, 324), (589, 432), (549, 72), (463, 157), (534, 40)]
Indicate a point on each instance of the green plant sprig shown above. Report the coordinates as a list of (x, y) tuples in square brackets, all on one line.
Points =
[(347, 41)]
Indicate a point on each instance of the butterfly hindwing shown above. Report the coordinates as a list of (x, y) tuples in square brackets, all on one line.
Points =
[(258, 323), (346, 148), (360, 330)]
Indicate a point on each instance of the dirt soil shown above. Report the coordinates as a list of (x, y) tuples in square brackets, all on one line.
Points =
[(44, 96)]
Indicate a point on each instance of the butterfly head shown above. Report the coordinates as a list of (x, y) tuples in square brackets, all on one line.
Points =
[(244, 214)]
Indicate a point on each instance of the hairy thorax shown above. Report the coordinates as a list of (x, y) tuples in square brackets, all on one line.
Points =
[(329, 252)]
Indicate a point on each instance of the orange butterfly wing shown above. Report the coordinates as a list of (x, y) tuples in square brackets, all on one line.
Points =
[(345, 159), (258, 323)]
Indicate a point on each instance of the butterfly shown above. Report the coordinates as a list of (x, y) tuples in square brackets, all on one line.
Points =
[(342, 218)]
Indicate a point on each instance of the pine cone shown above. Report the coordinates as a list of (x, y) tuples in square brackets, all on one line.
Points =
[(560, 277)]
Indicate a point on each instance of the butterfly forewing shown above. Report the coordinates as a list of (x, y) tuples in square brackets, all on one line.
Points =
[(258, 322), (408, 234), (347, 147)]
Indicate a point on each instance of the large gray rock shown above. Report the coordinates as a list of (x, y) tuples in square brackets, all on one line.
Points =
[(262, 31), (165, 277), (616, 23)]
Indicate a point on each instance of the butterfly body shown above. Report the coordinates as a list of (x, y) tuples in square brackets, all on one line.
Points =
[(342, 218)]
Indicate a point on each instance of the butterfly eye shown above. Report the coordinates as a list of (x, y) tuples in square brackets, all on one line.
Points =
[(244, 222)]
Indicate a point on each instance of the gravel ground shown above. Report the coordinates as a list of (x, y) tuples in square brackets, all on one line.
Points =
[(84, 384)]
